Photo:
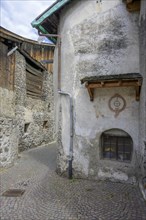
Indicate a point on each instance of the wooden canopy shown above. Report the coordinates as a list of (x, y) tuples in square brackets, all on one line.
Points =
[(110, 81), (133, 5)]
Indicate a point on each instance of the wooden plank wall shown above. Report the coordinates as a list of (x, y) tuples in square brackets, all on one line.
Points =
[(133, 5), (34, 82), (39, 52), (7, 68)]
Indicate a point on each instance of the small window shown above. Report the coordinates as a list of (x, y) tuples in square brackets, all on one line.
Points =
[(26, 127), (116, 147), (45, 124)]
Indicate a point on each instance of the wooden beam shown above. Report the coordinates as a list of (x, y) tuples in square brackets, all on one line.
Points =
[(33, 70), (136, 83), (133, 5), (32, 83), (90, 91), (120, 82), (137, 89), (34, 78), (28, 92), (34, 90), (129, 1), (102, 83), (115, 84)]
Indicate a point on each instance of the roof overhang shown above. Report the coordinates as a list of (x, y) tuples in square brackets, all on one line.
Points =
[(11, 40), (133, 5), (111, 81), (47, 22), (6, 34)]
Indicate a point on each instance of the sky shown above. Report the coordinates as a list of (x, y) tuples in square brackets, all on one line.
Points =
[(17, 15)]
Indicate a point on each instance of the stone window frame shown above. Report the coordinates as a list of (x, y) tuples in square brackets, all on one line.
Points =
[(113, 146)]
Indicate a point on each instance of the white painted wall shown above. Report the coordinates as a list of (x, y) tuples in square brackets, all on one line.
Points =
[(97, 39)]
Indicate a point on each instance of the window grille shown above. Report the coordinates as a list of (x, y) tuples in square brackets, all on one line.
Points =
[(117, 147)]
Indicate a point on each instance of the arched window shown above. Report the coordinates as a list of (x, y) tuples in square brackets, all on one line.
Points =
[(116, 145)]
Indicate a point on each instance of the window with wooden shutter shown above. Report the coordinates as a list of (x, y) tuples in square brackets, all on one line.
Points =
[(34, 81)]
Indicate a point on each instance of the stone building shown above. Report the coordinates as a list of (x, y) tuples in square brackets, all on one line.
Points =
[(100, 61), (26, 96)]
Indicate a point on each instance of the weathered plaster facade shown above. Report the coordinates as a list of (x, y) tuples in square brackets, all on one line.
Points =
[(98, 38), (143, 94), (25, 122), (142, 116)]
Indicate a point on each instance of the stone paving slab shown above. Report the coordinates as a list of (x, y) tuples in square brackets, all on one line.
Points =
[(51, 197)]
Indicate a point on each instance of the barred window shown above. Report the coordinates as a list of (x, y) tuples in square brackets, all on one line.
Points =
[(116, 145)]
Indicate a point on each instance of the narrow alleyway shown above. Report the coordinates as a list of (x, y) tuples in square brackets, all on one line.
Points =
[(48, 196)]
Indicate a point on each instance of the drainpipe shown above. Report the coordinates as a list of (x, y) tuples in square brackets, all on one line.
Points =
[(12, 51), (70, 158), (59, 54)]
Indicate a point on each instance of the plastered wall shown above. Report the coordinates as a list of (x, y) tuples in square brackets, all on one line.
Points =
[(142, 128), (102, 41)]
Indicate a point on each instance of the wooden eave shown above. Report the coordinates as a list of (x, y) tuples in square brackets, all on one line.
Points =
[(92, 83), (8, 35), (133, 5), (35, 62), (47, 22), (39, 55)]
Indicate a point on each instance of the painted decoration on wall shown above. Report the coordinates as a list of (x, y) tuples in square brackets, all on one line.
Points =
[(117, 104)]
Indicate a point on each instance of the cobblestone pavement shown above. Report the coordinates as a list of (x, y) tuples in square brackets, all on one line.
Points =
[(50, 197)]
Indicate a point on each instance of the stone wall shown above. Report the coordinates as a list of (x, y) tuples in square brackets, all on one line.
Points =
[(8, 128), (25, 122), (35, 116), (103, 40), (8, 141)]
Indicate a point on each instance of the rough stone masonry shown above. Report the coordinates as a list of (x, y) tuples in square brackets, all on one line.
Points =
[(25, 122)]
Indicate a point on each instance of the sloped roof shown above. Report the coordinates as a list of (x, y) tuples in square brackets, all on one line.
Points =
[(48, 21), (29, 48), (126, 76), (4, 33)]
